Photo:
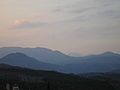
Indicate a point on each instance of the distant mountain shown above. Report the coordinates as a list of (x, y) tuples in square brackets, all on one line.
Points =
[(41, 54), (95, 63), (115, 71), (58, 61), (22, 60)]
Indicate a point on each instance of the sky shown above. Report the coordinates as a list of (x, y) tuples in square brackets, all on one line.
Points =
[(78, 26)]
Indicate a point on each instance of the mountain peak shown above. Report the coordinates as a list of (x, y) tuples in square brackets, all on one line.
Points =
[(17, 57), (17, 54), (108, 53)]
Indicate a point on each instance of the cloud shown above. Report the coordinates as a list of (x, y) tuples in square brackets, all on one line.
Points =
[(110, 13), (25, 24), (82, 10), (87, 10)]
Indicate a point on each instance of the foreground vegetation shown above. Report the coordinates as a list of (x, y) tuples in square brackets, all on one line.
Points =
[(49, 80)]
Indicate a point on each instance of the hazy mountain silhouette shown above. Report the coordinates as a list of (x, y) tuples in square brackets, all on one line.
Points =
[(22, 60), (96, 63), (115, 71), (41, 54), (42, 58)]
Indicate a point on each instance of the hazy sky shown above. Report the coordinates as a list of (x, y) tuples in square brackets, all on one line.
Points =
[(83, 26)]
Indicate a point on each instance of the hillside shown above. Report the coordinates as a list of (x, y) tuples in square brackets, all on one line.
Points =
[(41, 54), (22, 60), (95, 63), (49, 80)]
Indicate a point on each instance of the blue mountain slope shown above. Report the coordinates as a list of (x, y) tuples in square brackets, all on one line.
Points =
[(22, 60), (94, 63), (41, 54)]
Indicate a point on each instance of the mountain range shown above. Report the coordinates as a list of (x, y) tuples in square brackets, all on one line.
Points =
[(22, 60), (47, 59), (41, 54), (96, 63)]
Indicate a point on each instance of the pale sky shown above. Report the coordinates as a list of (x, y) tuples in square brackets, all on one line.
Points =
[(82, 26)]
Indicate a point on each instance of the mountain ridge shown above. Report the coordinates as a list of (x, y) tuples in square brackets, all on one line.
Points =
[(53, 56), (103, 62), (22, 60)]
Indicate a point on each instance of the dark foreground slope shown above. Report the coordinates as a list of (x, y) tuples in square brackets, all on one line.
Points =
[(49, 80)]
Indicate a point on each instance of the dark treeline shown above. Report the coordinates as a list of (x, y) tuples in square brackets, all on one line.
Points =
[(49, 80)]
